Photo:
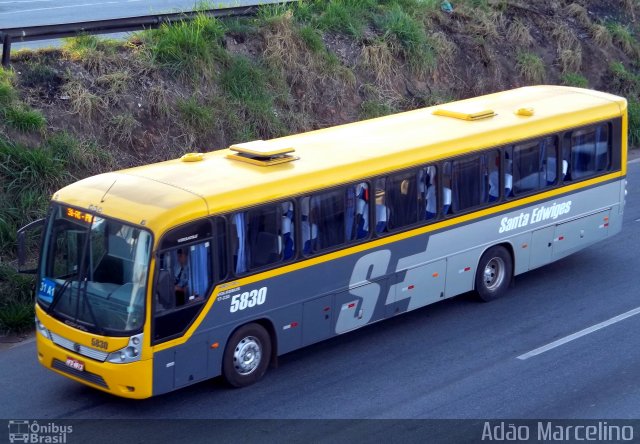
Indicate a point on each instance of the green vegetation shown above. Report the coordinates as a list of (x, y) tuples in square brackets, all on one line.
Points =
[(346, 16), (16, 307), (94, 53), (197, 117), (373, 108), (408, 34), (574, 79), (531, 67), (623, 80), (186, 48), (7, 94), (24, 119), (250, 93), (622, 36), (312, 39)]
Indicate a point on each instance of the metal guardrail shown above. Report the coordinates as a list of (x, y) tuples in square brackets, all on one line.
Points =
[(108, 26)]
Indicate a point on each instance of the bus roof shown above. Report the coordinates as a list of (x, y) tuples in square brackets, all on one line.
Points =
[(165, 194)]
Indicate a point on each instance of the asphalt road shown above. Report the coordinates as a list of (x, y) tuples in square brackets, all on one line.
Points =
[(456, 359), (14, 13), (18, 13)]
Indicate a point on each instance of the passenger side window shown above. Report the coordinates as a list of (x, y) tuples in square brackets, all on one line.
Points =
[(396, 201), (326, 221), (190, 271), (587, 152), (470, 181), (262, 236), (535, 165)]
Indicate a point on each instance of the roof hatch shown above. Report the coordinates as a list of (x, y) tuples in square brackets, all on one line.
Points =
[(259, 152), (463, 112)]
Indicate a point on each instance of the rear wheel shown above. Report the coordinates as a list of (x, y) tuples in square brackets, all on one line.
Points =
[(247, 355), (494, 273)]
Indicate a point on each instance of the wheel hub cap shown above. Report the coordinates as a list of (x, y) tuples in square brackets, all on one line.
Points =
[(247, 355), (494, 273)]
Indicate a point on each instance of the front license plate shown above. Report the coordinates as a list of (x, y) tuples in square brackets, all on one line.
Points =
[(75, 364)]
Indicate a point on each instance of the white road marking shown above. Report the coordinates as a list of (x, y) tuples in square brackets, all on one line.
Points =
[(25, 342), (24, 1), (634, 160), (68, 6), (579, 334)]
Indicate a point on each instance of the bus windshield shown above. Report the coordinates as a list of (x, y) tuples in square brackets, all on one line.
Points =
[(93, 272)]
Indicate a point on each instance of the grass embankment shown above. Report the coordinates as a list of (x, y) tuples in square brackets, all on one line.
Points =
[(97, 105)]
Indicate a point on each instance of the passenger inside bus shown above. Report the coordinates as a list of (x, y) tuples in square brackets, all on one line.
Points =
[(309, 229), (287, 228), (494, 179), (427, 191), (362, 210)]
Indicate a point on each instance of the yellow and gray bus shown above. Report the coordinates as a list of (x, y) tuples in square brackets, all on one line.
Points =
[(157, 277)]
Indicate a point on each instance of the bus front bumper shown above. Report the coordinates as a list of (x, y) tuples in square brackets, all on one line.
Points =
[(131, 380)]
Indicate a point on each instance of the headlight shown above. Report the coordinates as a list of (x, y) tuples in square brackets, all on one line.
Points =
[(130, 353), (42, 329)]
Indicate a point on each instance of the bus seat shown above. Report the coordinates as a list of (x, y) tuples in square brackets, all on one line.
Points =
[(165, 291), (309, 237), (266, 250)]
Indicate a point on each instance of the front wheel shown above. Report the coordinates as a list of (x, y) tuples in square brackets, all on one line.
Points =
[(247, 355), (494, 273)]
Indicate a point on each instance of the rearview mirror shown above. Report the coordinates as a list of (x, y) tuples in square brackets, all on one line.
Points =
[(29, 238)]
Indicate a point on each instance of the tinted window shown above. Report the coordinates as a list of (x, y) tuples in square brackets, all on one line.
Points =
[(467, 181), (587, 152), (401, 200), (262, 236), (323, 221), (533, 165), (184, 279)]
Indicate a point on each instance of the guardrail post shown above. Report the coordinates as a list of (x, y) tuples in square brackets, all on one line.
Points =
[(6, 50)]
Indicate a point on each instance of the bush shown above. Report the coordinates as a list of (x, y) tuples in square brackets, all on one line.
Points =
[(410, 35), (187, 47), (574, 79), (7, 94), (345, 16), (531, 67), (16, 300), (24, 119)]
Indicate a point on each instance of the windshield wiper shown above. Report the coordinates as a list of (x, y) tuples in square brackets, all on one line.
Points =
[(57, 295), (85, 299)]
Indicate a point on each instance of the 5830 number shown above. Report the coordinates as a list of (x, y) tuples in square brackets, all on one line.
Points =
[(248, 299)]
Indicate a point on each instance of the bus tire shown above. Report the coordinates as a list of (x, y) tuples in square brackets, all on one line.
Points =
[(494, 274), (247, 355)]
